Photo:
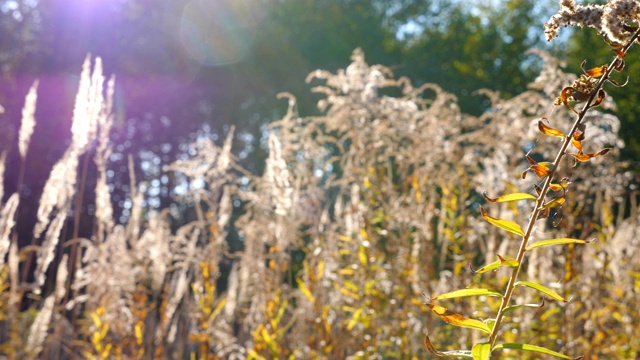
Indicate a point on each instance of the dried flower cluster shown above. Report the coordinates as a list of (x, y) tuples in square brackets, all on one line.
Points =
[(608, 19)]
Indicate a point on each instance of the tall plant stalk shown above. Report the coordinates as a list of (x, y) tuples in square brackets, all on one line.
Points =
[(611, 20), (547, 182)]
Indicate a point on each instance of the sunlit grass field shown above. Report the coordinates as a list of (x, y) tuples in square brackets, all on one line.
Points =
[(360, 216)]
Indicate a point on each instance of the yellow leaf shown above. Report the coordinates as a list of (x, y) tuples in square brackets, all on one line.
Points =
[(218, 309), (305, 290), (138, 332), (457, 319), (494, 265), (416, 186), (346, 271), (556, 187), (509, 197), (320, 272), (553, 203), (268, 339), (96, 319), (543, 289), (354, 319), (351, 285), (104, 354), (348, 293), (362, 255), (507, 262), (481, 351), (497, 264), (534, 348), (559, 241), (325, 319), (465, 293), (364, 234), (253, 355), (503, 224)]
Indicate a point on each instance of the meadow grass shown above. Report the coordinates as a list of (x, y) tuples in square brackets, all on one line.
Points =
[(360, 211)]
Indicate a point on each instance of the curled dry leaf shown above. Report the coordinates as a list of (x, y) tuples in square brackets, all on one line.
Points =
[(565, 95), (619, 65), (601, 95), (617, 84), (452, 353), (570, 93), (595, 72), (541, 169), (576, 140), (557, 187), (620, 54), (549, 130), (457, 319), (429, 346), (578, 95), (543, 214), (581, 157), (553, 187)]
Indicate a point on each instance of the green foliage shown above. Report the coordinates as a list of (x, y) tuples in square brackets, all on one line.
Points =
[(465, 49)]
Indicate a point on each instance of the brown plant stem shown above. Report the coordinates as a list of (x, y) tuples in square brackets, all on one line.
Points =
[(506, 299)]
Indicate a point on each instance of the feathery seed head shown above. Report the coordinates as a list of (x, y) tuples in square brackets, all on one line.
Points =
[(607, 19), (28, 120)]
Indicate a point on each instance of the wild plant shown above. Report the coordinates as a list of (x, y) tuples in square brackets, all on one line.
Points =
[(615, 22), (360, 210)]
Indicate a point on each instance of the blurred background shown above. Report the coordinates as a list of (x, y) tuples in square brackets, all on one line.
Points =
[(191, 69), (322, 230)]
